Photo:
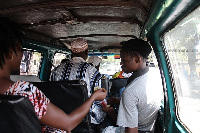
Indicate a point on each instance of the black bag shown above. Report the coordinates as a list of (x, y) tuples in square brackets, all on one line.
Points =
[(17, 115)]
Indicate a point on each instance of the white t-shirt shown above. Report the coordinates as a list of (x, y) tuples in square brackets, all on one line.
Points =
[(140, 103)]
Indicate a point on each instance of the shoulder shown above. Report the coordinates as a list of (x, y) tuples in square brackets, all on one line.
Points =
[(24, 86)]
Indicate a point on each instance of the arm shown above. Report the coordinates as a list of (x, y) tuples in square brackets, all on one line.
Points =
[(131, 130), (57, 118), (111, 112), (113, 100)]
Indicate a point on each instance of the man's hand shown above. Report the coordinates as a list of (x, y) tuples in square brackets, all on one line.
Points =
[(111, 112), (113, 100)]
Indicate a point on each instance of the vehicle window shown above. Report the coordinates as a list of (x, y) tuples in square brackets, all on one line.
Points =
[(30, 63), (183, 48), (110, 65)]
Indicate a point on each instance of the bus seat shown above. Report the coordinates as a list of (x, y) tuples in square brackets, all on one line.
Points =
[(116, 85), (17, 115), (67, 95), (160, 119), (29, 78), (105, 84)]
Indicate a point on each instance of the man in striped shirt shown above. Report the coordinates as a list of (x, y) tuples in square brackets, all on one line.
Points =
[(78, 68)]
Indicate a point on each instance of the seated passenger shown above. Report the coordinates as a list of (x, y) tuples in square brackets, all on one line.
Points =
[(96, 62), (121, 74), (78, 68), (64, 60), (11, 37), (141, 98)]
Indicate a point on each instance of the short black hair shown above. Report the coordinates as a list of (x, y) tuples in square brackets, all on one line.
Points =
[(10, 34), (136, 46)]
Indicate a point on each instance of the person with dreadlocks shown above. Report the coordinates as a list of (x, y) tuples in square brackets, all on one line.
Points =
[(11, 38), (141, 99)]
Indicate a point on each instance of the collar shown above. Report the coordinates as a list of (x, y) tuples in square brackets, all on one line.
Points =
[(137, 74), (77, 59)]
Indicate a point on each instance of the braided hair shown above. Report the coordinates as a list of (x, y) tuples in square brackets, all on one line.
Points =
[(10, 34)]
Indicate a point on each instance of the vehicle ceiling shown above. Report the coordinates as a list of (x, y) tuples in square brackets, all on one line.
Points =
[(104, 23)]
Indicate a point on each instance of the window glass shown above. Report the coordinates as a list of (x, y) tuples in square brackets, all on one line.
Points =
[(30, 63), (110, 65), (183, 47)]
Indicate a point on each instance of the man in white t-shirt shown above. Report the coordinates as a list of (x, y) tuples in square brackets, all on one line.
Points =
[(141, 98)]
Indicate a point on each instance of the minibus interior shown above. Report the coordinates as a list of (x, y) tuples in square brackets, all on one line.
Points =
[(172, 27)]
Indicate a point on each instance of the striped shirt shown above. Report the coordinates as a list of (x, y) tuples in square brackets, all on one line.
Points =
[(78, 68)]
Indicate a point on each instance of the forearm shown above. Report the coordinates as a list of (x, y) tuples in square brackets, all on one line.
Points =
[(78, 114), (131, 130), (113, 115), (57, 118)]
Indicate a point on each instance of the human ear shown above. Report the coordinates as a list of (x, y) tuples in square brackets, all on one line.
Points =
[(137, 59), (10, 55)]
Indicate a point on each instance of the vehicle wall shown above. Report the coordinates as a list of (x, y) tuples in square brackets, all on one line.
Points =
[(160, 32)]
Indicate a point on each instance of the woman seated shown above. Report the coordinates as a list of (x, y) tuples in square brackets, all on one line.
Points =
[(11, 38)]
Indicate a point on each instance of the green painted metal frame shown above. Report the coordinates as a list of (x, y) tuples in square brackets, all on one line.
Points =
[(162, 19)]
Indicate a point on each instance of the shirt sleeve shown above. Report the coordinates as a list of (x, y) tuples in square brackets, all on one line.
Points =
[(128, 111), (36, 96), (93, 76), (39, 101)]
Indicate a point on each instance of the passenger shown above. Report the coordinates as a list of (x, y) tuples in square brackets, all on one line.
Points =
[(64, 60), (78, 68), (96, 62), (121, 74), (141, 99), (11, 37)]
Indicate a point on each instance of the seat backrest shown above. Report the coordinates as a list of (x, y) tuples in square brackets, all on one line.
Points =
[(117, 84), (105, 84), (67, 95), (17, 115), (29, 78)]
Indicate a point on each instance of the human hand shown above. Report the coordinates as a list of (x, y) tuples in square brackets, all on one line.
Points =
[(100, 94), (103, 103), (108, 110), (113, 100)]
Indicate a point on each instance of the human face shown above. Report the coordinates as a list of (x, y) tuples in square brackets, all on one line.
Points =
[(128, 64)]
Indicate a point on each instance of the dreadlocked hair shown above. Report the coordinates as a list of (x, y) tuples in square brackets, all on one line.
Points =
[(10, 34)]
